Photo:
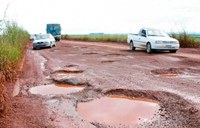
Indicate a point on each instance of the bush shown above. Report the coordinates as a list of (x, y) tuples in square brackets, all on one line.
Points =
[(186, 41)]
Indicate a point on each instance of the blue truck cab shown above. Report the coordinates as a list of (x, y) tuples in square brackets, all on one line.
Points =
[(55, 30)]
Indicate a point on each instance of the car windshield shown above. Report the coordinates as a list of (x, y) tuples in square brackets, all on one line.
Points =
[(154, 32), (44, 36)]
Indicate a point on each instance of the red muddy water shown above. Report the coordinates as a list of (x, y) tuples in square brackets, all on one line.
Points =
[(117, 110), (168, 75)]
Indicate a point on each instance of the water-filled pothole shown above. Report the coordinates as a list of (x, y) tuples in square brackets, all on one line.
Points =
[(168, 75), (116, 110), (69, 71), (171, 72), (56, 89), (176, 72)]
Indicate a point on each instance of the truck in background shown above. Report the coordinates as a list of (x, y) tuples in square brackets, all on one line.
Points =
[(153, 39), (55, 30)]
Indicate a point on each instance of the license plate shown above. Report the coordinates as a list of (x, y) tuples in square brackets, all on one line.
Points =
[(168, 46)]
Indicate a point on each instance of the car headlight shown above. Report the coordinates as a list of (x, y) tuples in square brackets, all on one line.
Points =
[(158, 42), (177, 42)]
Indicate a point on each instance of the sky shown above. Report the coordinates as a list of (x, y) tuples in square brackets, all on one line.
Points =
[(107, 16)]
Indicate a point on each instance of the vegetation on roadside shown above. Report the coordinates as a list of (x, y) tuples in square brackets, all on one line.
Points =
[(121, 38), (186, 40), (13, 40), (12, 46)]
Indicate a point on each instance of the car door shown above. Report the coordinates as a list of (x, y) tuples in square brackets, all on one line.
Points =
[(143, 39)]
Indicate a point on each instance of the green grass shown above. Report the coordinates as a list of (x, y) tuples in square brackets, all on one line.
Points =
[(197, 39), (122, 38), (12, 46), (186, 40)]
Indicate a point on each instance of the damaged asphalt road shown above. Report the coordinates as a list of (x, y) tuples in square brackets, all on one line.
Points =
[(171, 80)]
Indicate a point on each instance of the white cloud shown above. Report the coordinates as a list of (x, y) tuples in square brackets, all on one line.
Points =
[(109, 16)]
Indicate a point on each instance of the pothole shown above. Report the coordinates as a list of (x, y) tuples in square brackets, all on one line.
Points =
[(56, 89), (107, 61), (71, 65), (116, 110), (90, 53), (176, 72), (171, 72), (114, 54), (69, 71), (72, 79)]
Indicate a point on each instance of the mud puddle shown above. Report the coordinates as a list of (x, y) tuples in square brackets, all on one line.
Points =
[(56, 89), (118, 110), (176, 72)]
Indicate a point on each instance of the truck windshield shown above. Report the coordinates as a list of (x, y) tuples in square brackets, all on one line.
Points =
[(53, 29), (157, 33)]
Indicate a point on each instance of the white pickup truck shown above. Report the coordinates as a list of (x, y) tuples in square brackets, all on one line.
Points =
[(153, 39)]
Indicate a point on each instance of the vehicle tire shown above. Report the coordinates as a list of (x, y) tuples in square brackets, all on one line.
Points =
[(148, 48), (172, 51), (132, 46), (34, 48)]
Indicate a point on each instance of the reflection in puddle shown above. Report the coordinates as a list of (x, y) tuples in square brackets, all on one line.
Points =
[(56, 89), (118, 110)]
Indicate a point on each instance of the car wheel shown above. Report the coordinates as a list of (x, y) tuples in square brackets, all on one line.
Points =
[(132, 46), (172, 51), (148, 48), (34, 48)]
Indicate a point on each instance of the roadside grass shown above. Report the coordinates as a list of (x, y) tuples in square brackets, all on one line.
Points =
[(120, 38), (186, 40), (12, 47), (197, 40)]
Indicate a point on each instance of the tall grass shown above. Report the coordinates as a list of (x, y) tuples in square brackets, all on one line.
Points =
[(12, 46), (186, 40), (122, 38)]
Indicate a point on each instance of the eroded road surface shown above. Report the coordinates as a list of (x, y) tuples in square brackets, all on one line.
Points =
[(102, 85)]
